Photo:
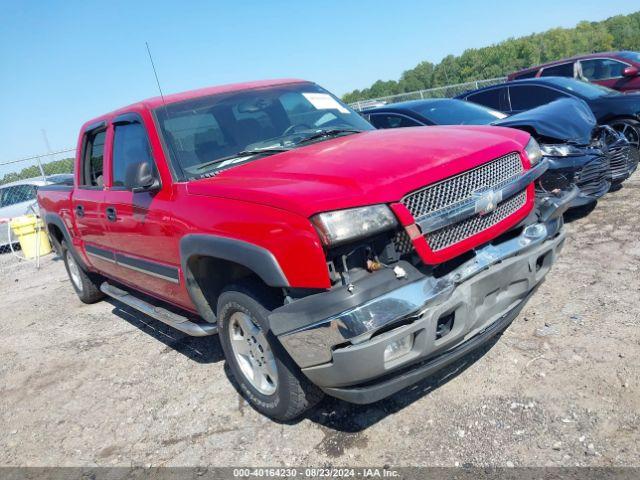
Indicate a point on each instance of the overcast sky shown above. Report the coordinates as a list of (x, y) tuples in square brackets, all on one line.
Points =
[(65, 62)]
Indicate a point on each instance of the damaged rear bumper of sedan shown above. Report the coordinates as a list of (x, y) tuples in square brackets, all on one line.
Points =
[(390, 331)]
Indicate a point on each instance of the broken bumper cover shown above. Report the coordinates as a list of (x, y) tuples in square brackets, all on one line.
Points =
[(589, 172), (550, 206), (344, 353)]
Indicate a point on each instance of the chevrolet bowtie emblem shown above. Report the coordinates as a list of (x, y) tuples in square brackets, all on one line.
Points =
[(486, 201)]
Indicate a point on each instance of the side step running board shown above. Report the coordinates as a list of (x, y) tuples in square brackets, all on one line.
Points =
[(165, 316)]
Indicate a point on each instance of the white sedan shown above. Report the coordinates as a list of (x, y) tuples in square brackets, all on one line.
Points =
[(17, 199)]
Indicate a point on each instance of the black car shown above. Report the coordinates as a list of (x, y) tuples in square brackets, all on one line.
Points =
[(610, 107), (566, 130)]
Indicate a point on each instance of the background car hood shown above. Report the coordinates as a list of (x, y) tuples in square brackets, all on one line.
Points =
[(378, 166), (564, 120)]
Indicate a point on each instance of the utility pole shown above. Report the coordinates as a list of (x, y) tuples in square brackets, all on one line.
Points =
[(48, 147), (46, 140)]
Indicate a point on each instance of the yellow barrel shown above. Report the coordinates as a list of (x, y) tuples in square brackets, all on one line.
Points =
[(31, 235)]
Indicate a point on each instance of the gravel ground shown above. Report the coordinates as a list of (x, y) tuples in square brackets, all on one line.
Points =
[(102, 385)]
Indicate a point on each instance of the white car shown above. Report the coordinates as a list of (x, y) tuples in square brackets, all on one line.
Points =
[(16, 199)]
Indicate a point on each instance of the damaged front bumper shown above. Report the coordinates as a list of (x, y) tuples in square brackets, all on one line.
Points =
[(589, 173), (339, 338)]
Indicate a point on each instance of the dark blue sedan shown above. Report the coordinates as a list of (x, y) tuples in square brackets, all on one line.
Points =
[(610, 107), (435, 111)]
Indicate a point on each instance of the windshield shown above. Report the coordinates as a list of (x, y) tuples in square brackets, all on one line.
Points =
[(585, 89), (632, 56), (219, 131), (457, 112)]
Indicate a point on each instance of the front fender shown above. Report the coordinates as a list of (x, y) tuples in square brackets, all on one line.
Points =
[(255, 258)]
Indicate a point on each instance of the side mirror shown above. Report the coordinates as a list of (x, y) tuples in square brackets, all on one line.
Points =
[(630, 72), (140, 177)]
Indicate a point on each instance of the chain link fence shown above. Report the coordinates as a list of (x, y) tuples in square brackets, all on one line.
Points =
[(448, 91), (19, 181)]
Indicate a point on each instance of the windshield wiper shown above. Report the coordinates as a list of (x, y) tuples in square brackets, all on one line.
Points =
[(245, 153), (330, 132)]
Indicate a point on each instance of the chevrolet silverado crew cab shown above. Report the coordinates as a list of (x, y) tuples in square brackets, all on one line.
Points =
[(328, 256)]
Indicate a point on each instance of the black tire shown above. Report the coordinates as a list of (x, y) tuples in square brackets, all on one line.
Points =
[(294, 394), (630, 128), (86, 284)]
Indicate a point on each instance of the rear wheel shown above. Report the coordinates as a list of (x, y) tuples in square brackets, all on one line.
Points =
[(265, 374), (629, 128), (86, 285)]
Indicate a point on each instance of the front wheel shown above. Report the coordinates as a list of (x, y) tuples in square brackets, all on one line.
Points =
[(265, 374), (629, 128), (86, 285)]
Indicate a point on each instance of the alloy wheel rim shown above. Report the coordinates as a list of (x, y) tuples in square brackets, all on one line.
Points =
[(253, 353), (74, 271), (630, 132)]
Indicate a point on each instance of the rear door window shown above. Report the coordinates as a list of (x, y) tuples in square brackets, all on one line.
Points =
[(389, 120), (564, 70), (488, 98), (525, 97), (93, 159)]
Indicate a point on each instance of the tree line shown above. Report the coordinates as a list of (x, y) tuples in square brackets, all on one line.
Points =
[(621, 32)]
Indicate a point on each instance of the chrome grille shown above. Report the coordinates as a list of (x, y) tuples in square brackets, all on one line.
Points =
[(450, 191), (453, 234)]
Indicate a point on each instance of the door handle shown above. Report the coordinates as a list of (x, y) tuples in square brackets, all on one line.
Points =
[(79, 210), (111, 214)]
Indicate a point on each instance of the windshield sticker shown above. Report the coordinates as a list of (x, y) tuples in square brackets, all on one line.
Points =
[(323, 101)]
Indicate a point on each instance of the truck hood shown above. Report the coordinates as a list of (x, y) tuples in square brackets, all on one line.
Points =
[(379, 166)]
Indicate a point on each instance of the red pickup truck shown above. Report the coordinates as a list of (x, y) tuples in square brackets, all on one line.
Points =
[(328, 256)]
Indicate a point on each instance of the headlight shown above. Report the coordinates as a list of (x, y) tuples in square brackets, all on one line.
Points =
[(533, 151), (342, 226), (562, 150)]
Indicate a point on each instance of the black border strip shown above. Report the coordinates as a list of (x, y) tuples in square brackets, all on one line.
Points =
[(101, 253), (154, 269), (164, 272)]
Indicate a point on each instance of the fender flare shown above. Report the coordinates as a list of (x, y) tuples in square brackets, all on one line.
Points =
[(257, 259), (55, 219)]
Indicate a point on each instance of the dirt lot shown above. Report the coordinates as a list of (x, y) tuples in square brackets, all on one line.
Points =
[(99, 385)]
